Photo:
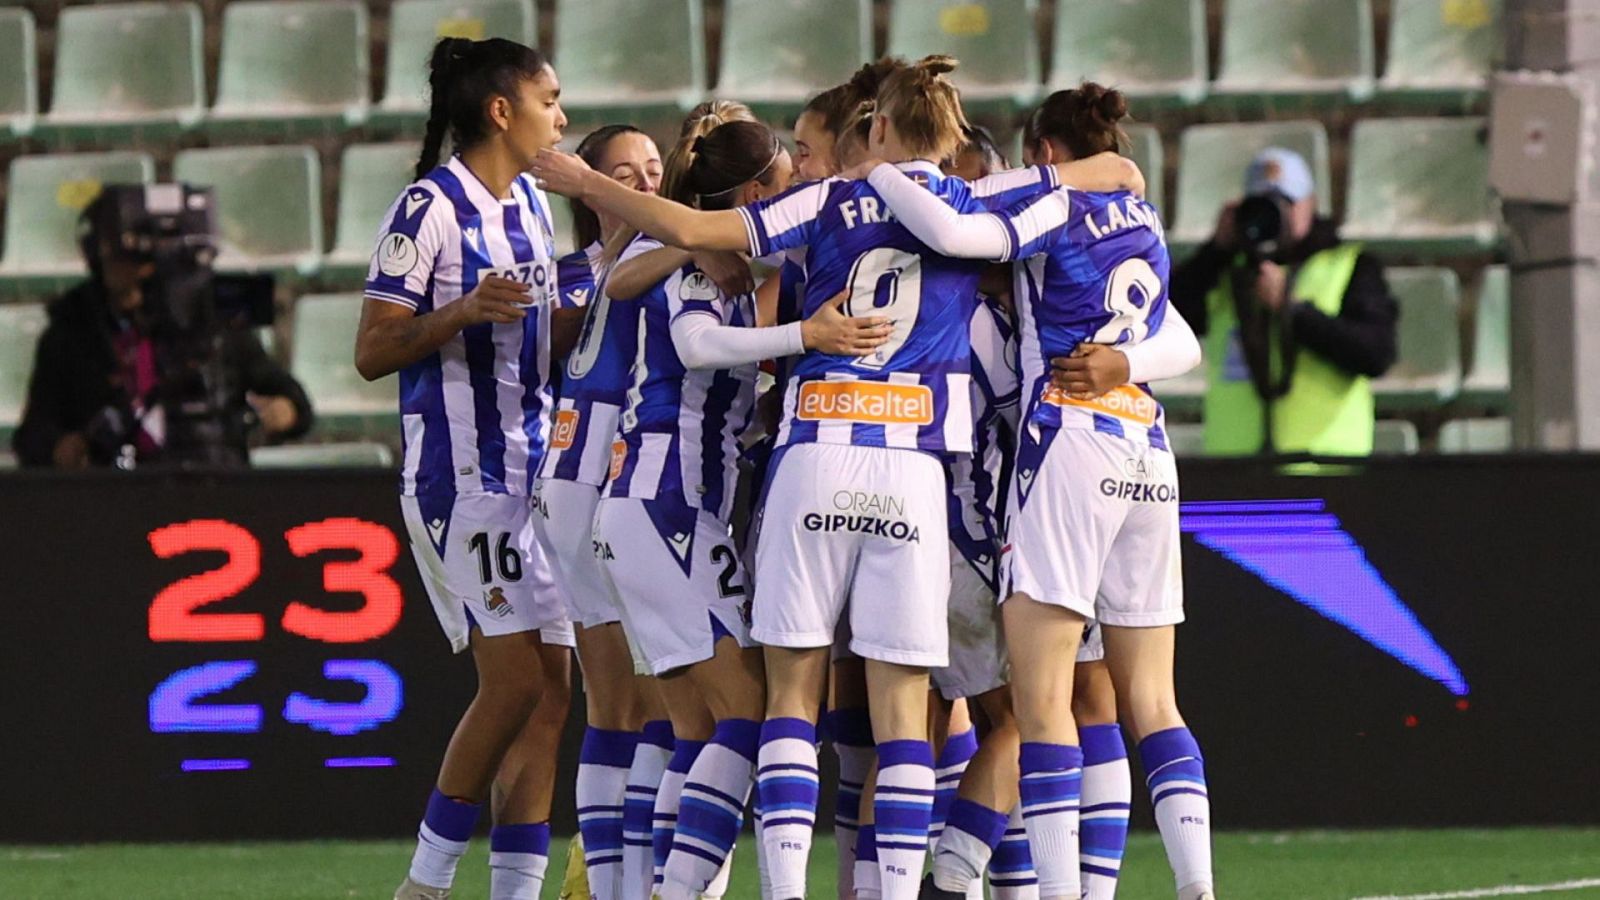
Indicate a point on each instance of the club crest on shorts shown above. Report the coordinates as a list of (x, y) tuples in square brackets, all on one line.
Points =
[(494, 600)]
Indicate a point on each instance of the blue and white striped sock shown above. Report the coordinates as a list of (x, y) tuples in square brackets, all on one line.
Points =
[(957, 752), (603, 763), (664, 819), (650, 760), (1052, 775), (1011, 875), (970, 836), (441, 840), (518, 857), (902, 805), (1103, 815), (852, 742), (712, 807), (1176, 774), (868, 881), (786, 779)]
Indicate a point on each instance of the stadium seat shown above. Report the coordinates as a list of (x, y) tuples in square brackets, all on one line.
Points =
[(288, 63), (1186, 438), (1394, 437), (416, 25), (354, 454), (1488, 381), (48, 192), (1211, 170), (1419, 186), (371, 176), (626, 57), (19, 72), (1151, 50), (322, 358), (994, 39), (774, 53), (1427, 372), (269, 205), (1475, 436), (1296, 49), (127, 66), (1145, 149), (20, 327), (1184, 394), (1440, 50)]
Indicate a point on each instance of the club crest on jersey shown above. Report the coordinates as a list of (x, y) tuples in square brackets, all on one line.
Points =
[(397, 255), (697, 286), (494, 600)]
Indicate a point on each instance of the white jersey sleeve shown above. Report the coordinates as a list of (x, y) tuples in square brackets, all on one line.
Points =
[(1168, 353), (414, 235)]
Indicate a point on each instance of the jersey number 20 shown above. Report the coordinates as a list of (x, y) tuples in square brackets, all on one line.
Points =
[(886, 282)]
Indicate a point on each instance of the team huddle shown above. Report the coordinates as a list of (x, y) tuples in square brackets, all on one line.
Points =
[(905, 488)]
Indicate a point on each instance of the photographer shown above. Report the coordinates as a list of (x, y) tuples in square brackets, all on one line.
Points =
[(1295, 321), (108, 370)]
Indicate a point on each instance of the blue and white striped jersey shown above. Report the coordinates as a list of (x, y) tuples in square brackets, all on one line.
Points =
[(474, 413), (914, 392), (576, 276), (594, 383), (681, 427), (1094, 267), (974, 479)]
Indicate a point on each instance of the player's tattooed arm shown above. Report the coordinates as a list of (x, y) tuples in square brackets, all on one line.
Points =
[(391, 337)]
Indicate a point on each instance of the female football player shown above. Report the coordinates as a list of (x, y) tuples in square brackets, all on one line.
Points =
[(458, 301), (1092, 525)]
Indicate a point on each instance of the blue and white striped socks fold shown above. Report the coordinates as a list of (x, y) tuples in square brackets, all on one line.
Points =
[(442, 838), (1103, 814), (603, 763), (650, 760), (1011, 874), (851, 730), (1052, 777), (952, 763), (518, 857), (1175, 772), (786, 780), (902, 809), (712, 806), (664, 819)]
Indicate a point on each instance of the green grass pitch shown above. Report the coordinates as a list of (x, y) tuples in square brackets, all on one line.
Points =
[(1250, 866)]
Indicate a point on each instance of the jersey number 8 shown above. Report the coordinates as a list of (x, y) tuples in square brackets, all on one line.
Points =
[(886, 282), (1131, 292)]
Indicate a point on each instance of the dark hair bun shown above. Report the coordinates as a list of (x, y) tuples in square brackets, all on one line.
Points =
[(1106, 104)]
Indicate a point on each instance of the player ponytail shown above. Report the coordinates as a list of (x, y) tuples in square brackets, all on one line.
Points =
[(462, 76), (729, 157), (592, 149), (925, 107), (1085, 120), (839, 107)]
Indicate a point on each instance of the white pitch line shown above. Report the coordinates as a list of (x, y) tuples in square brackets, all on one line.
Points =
[(1504, 890)]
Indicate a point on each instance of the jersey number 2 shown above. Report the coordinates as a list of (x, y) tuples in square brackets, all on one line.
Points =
[(886, 282)]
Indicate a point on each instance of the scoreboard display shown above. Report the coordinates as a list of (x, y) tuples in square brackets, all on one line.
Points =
[(252, 655)]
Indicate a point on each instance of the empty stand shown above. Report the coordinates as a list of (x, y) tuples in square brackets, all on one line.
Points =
[(122, 66), (1488, 382), (416, 25), (19, 72), (20, 327), (1440, 49), (779, 52), (995, 41), (1420, 186), (1151, 50), (323, 360), (1475, 436), (626, 57), (288, 63), (1427, 372), (1212, 164), (371, 177), (268, 202), (48, 193), (1296, 49)]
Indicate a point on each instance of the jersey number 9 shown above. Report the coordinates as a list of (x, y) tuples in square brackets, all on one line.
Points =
[(886, 282)]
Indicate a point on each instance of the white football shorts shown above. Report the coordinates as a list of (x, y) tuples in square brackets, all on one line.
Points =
[(1093, 527), (563, 519), (978, 662), (678, 576), (483, 568), (860, 530)]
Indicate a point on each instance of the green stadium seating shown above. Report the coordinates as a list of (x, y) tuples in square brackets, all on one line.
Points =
[(1488, 382), (1296, 49), (994, 39), (1211, 170), (1420, 186), (1151, 50), (20, 327), (1427, 372), (416, 25), (269, 205), (48, 192), (778, 52), (19, 72), (371, 176), (1394, 437), (1440, 49), (127, 66), (353, 454), (1475, 436), (289, 63), (323, 359), (1145, 149), (630, 57)]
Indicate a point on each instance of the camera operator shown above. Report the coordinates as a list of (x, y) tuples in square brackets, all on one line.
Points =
[(1295, 321), (103, 390)]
